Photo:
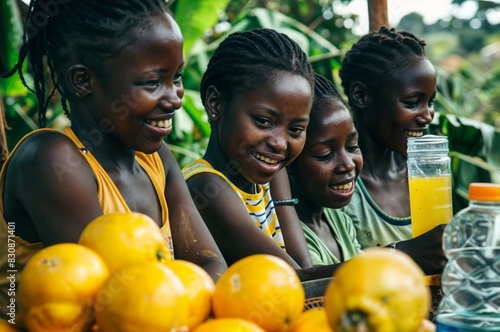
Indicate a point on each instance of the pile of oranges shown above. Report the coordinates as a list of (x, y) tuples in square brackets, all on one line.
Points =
[(121, 277)]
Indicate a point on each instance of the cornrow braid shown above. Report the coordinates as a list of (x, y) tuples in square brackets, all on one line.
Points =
[(377, 55), (324, 90), (323, 87), (91, 31), (244, 59)]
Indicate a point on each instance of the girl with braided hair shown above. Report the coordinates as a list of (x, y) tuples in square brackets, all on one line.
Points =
[(257, 90), (117, 65), (323, 177), (391, 85)]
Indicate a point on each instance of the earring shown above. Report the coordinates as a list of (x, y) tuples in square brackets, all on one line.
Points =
[(214, 115), (78, 94)]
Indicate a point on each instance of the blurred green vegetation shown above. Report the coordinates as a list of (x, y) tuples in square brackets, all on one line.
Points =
[(467, 60)]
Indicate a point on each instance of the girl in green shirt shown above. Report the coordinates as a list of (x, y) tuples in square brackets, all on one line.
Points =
[(323, 177)]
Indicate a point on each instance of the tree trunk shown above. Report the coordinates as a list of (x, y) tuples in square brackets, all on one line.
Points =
[(378, 14)]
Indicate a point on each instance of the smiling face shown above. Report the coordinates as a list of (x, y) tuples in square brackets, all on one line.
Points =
[(402, 106), (262, 130), (142, 87), (324, 174)]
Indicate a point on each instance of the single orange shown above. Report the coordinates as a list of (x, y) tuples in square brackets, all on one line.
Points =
[(228, 325), (145, 297), (124, 238), (380, 290), (261, 288), (58, 288), (427, 326), (199, 288), (313, 320), (7, 327)]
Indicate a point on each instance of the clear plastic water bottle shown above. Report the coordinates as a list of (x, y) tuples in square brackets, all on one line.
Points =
[(471, 278)]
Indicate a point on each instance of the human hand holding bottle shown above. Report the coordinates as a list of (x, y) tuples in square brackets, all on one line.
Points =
[(427, 250)]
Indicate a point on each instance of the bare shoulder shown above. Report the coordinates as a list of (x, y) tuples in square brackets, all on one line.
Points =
[(208, 184), (216, 200), (45, 146), (167, 158), (50, 189), (47, 153)]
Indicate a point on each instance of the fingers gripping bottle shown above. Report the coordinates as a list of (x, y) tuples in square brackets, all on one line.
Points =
[(471, 278)]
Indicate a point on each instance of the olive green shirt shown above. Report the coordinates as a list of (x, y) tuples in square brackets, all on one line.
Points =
[(344, 232)]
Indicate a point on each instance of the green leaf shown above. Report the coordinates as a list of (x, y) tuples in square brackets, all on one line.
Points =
[(12, 30), (477, 162), (474, 151), (184, 151), (194, 108), (276, 20), (195, 17)]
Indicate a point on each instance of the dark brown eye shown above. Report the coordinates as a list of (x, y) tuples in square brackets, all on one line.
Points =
[(296, 131)]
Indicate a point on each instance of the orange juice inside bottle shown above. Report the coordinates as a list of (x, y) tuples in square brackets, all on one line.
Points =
[(430, 202)]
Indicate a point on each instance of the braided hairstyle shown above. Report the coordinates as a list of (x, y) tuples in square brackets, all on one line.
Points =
[(324, 90), (245, 59), (378, 55), (89, 31)]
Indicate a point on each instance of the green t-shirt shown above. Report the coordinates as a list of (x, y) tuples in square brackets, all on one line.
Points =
[(345, 234), (374, 227)]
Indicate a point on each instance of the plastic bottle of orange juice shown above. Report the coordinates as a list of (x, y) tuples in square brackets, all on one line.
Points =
[(429, 178)]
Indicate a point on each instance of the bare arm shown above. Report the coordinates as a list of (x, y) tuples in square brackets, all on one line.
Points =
[(50, 190), (287, 215), (318, 272), (191, 237), (232, 227)]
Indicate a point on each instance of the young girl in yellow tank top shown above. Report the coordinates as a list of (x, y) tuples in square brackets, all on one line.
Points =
[(257, 91), (117, 66)]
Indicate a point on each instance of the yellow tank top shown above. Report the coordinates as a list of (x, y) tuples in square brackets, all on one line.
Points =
[(15, 251), (260, 206)]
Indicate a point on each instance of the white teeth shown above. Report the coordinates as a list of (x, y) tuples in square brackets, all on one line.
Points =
[(160, 123), (343, 186), (414, 133), (265, 159)]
